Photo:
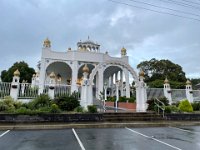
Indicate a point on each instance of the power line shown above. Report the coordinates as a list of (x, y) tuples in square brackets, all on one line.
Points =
[(184, 4), (161, 12), (180, 4), (191, 2), (184, 12)]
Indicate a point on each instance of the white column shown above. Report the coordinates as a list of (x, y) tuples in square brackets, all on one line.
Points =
[(15, 87), (74, 76), (126, 73), (100, 81), (42, 76), (189, 93), (51, 91), (141, 95), (167, 91), (121, 85), (117, 83)]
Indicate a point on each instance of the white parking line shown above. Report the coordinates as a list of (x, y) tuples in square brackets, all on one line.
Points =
[(4, 133), (181, 129), (153, 139), (79, 141)]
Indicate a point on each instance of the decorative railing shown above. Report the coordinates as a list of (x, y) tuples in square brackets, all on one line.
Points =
[(160, 106), (4, 89)]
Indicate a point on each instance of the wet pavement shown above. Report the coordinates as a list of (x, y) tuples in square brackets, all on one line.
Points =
[(157, 138)]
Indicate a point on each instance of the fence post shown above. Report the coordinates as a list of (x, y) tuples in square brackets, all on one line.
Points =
[(15, 85), (189, 92), (51, 91), (167, 91)]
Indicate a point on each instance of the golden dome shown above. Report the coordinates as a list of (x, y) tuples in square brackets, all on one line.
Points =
[(52, 75), (85, 68), (141, 74), (47, 43), (166, 81), (17, 73), (188, 82), (123, 51)]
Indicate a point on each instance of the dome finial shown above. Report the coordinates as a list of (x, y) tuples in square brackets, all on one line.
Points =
[(16, 73), (47, 43), (188, 82), (123, 51), (85, 68), (141, 73), (166, 81)]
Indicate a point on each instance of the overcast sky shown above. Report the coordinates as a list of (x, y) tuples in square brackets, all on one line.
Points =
[(24, 24)]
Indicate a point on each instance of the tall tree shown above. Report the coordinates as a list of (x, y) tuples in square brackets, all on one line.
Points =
[(157, 70), (26, 72)]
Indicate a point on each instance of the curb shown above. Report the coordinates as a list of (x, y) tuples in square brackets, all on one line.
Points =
[(96, 125)]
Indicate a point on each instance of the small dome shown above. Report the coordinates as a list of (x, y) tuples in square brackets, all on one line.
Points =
[(52, 75), (141, 74), (47, 43), (166, 81), (34, 75), (188, 82), (17, 73), (85, 68), (123, 51)]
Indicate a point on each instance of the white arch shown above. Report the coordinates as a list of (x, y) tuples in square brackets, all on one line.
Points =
[(113, 63)]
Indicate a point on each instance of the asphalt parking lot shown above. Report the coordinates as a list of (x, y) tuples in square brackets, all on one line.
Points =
[(162, 138)]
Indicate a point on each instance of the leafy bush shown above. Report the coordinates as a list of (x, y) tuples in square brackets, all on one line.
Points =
[(152, 106), (24, 111), (122, 99), (79, 109), (42, 100), (3, 106), (185, 106), (92, 108), (55, 109), (131, 99), (171, 108), (111, 98), (67, 103), (196, 106)]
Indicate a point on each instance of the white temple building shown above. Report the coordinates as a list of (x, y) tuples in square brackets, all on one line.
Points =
[(89, 71)]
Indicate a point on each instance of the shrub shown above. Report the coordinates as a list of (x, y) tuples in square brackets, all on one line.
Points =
[(67, 103), (111, 99), (185, 106), (92, 108), (55, 109), (3, 106), (152, 106), (79, 109), (171, 108), (196, 106), (131, 99), (42, 100), (122, 99), (23, 111)]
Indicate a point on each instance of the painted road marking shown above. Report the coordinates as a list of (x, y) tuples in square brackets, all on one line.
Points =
[(4, 133), (153, 138), (181, 129), (79, 141)]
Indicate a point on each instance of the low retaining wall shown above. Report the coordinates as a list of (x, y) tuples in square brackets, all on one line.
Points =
[(14, 118), (183, 117), (125, 105)]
